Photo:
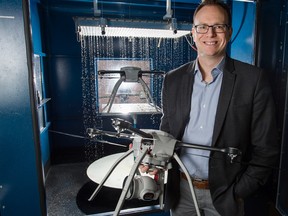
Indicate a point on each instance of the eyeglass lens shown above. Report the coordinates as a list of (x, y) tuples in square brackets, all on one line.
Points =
[(219, 28)]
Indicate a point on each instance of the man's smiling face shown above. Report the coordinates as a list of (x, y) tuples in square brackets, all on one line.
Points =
[(211, 44)]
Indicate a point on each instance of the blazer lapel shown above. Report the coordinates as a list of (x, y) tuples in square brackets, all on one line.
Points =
[(224, 97), (186, 95)]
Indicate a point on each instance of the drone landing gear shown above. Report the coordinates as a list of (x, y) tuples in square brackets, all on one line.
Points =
[(130, 178)]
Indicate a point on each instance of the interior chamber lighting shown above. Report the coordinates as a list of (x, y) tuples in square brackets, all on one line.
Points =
[(131, 28)]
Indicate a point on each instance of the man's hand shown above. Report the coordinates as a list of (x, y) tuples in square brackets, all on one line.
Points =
[(147, 169)]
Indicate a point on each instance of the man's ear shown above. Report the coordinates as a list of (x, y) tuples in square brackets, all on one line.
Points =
[(230, 33), (192, 33)]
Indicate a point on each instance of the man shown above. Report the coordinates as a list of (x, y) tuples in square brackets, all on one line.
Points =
[(220, 102)]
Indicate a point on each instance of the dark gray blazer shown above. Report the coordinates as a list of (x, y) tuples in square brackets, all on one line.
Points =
[(245, 119)]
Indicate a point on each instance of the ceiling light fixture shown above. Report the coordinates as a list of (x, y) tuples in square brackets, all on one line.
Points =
[(131, 28)]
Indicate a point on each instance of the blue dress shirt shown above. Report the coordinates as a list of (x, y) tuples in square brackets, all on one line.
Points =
[(199, 129)]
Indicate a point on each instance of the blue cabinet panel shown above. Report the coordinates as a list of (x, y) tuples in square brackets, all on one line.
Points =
[(19, 185), (243, 38)]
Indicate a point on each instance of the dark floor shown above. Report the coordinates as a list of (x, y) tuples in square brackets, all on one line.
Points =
[(62, 185), (65, 180)]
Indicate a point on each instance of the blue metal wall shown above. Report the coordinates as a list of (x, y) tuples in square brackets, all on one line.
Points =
[(37, 32), (244, 30), (20, 192)]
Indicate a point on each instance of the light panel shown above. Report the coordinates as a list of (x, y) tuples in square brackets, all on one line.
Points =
[(131, 28), (130, 32)]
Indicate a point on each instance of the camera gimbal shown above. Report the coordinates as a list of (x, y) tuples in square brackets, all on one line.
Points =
[(154, 148)]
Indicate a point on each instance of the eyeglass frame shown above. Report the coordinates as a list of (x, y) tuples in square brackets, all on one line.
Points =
[(213, 28)]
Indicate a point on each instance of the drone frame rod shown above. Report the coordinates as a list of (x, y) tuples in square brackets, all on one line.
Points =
[(109, 173), (176, 157), (102, 72), (196, 146), (131, 175), (139, 132)]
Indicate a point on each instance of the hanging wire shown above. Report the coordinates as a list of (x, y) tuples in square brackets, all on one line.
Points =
[(191, 43)]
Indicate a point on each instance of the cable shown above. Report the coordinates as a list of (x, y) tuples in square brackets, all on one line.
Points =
[(82, 137), (190, 44)]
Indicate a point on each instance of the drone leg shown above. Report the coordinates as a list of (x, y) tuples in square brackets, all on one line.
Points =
[(147, 92), (134, 169), (189, 181), (161, 197), (113, 94), (109, 173)]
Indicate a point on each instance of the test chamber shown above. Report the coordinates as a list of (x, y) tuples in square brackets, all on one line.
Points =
[(240, 46)]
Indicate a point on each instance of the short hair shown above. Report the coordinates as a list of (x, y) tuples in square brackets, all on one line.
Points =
[(216, 3)]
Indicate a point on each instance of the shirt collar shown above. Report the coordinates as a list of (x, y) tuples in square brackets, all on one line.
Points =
[(215, 71)]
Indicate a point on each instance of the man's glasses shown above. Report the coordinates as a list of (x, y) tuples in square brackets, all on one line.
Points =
[(218, 28)]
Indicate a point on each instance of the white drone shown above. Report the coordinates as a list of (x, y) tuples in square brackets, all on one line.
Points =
[(154, 148)]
